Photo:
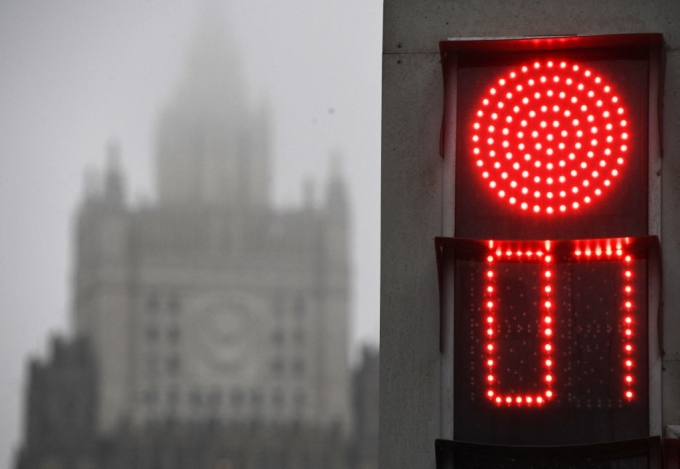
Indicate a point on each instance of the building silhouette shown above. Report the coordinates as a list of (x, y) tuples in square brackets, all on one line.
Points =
[(210, 328)]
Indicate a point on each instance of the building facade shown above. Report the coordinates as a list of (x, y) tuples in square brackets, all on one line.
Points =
[(209, 303), (215, 326)]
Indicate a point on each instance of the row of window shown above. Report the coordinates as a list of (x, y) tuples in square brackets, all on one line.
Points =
[(279, 338), (153, 334), (156, 365), (237, 399), (297, 366), (172, 304), (171, 365)]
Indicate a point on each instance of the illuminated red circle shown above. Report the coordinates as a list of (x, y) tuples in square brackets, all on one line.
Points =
[(550, 137)]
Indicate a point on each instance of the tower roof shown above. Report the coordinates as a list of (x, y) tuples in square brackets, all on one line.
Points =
[(210, 142)]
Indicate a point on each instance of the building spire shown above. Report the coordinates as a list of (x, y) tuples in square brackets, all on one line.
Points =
[(210, 149), (113, 185), (336, 192)]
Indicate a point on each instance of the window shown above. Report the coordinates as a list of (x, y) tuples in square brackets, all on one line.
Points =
[(300, 306), (299, 336), (195, 398), (173, 397), (277, 337), (173, 364), (215, 398), (237, 398), (152, 302), (150, 397), (277, 366), (299, 367), (152, 334), (300, 399), (278, 398), (174, 304), (256, 399), (174, 334)]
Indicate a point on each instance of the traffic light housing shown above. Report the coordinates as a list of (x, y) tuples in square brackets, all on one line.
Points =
[(552, 264)]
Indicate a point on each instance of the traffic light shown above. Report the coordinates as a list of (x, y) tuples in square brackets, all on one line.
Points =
[(553, 259)]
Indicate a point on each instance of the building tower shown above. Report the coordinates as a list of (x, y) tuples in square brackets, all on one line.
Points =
[(210, 304)]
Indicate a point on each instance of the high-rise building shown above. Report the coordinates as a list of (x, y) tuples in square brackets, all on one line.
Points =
[(210, 328), (209, 304)]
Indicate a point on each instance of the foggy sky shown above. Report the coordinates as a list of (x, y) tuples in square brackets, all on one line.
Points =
[(76, 73)]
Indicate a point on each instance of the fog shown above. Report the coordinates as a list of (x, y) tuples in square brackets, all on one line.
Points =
[(76, 75)]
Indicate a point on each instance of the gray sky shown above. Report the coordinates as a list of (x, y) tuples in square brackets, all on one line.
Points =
[(76, 73)]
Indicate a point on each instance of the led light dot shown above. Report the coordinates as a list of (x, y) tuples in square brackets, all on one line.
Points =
[(561, 99)]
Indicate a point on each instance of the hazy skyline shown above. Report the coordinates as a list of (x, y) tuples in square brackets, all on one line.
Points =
[(76, 74)]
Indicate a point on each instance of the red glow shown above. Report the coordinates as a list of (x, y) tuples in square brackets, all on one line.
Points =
[(494, 307), (628, 321), (543, 254), (563, 102)]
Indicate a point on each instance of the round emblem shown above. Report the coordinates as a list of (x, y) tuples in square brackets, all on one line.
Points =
[(225, 334)]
